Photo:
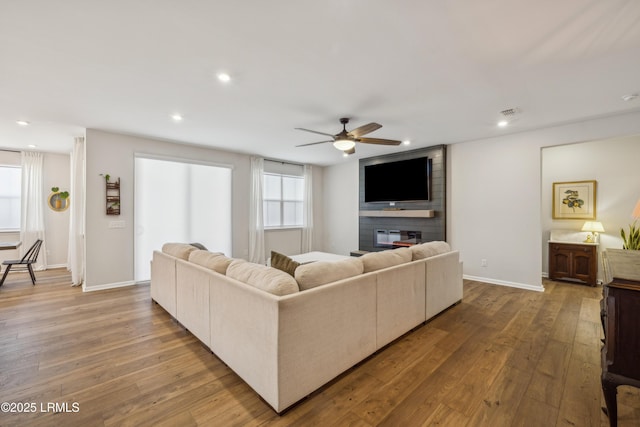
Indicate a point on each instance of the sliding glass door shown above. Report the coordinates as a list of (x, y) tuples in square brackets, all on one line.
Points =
[(180, 201)]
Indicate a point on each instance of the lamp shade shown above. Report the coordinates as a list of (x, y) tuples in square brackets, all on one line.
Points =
[(636, 210), (344, 144), (593, 226)]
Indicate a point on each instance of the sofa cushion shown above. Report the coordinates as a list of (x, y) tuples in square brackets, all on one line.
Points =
[(378, 260), (322, 272), (178, 250), (268, 279), (215, 261), (429, 249), (283, 263)]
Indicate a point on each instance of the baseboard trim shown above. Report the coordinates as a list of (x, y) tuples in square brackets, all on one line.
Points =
[(107, 286), (505, 283), (49, 267)]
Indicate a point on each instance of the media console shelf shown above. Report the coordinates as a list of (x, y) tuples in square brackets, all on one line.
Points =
[(404, 213)]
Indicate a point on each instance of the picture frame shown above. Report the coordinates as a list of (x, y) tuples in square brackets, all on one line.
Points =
[(574, 200)]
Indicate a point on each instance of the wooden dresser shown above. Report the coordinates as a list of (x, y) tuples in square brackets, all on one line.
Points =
[(573, 261), (621, 349)]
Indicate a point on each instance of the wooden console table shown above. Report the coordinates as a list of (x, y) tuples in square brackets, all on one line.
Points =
[(621, 349), (574, 261)]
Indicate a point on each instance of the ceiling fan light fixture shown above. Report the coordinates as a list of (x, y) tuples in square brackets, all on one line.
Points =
[(344, 144)]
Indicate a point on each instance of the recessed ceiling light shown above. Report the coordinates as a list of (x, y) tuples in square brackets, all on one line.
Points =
[(176, 117), (406, 142), (224, 77), (32, 146), (503, 123), (630, 97), (22, 122)]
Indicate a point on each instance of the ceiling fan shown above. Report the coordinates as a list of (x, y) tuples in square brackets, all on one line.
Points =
[(346, 140)]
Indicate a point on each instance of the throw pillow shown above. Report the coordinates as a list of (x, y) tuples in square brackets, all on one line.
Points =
[(283, 263)]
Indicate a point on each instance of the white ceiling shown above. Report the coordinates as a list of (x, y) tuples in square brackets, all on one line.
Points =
[(429, 71)]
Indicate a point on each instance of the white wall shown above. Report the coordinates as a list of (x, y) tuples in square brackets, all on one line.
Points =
[(56, 173), (494, 199), (341, 208), (495, 209), (109, 251), (613, 163)]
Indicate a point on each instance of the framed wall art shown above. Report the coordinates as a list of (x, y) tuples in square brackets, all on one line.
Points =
[(574, 200)]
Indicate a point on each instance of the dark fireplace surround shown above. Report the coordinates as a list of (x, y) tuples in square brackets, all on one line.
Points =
[(398, 227), (396, 238)]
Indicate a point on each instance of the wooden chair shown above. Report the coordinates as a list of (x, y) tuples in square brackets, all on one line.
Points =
[(27, 260)]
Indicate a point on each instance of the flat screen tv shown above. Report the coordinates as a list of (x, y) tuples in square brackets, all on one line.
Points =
[(400, 181)]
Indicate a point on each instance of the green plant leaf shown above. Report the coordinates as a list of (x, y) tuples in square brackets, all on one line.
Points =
[(631, 241)]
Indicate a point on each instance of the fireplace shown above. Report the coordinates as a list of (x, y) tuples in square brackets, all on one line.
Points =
[(396, 238)]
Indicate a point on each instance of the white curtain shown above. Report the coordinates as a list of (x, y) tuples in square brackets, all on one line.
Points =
[(32, 209), (256, 219), (75, 255), (307, 210)]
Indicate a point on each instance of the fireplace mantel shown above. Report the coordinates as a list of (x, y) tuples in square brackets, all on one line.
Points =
[(404, 213)]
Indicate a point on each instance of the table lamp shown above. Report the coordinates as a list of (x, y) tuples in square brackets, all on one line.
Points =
[(593, 227)]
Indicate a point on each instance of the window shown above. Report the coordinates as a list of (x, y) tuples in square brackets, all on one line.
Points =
[(179, 201), (283, 200), (10, 189)]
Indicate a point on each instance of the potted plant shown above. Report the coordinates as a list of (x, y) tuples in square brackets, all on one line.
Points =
[(625, 263), (632, 240), (112, 194), (61, 195)]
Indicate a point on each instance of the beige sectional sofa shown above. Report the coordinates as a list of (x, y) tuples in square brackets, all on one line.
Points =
[(287, 336)]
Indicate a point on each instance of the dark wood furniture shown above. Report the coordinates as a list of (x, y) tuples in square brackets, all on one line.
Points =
[(358, 253), (113, 197), (26, 262), (621, 349), (573, 261)]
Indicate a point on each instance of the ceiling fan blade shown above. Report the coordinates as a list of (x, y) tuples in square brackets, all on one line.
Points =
[(350, 151), (363, 130), (313, 143), (315, 131), (380, 141)]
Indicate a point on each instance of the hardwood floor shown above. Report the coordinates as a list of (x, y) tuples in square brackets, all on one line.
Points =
[(503, 357)]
